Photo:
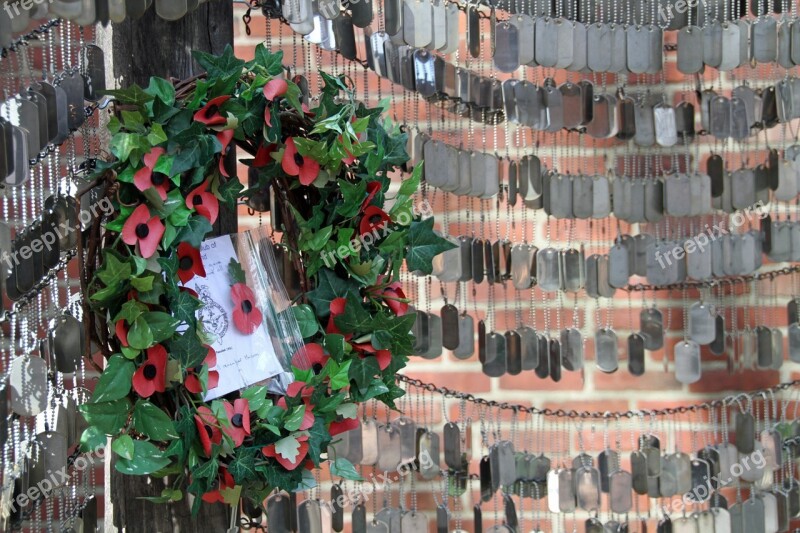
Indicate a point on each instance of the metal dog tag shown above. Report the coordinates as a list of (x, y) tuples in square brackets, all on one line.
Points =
[(690, 50), (605, 341), (765, 40), (546, 42), (389, 449), (687, 361), (369, 443), (495, 364), (598, 44), (571, 349), (68, 343), (506, 55), (28, 382), (525, 38)]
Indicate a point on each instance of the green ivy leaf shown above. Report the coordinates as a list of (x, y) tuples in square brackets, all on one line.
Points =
[(184, 307), (347, 410), (92, 438), (187, 349), (295, 418), (336, 345), (256, 396), (114, 271), (156, 135), (226, 64), (130, 311), (362, 371), (341, 467), (409, 186), (146, 460), (143, 284), (424, 245), (271, 61), (235, 272), (229, 192), (123, 446), (153, 422), (318, 439), (242, 467), (317, 240), (306, 320), (162, 325), (108, 417), (340, 377), (115, 381), (355, 318), (195, 231), (329, 286), (288, 448), (140, 337), (134, 95), (162, 89)]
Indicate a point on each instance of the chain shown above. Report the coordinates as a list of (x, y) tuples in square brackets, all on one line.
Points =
[(561, 413)]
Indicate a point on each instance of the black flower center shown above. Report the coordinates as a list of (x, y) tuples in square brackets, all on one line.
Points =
[(209, 432), (149, 371), (158, 178), (186, 263), (298, 159), (197, 369), (197, 200), (142, 231), (247, 306), (374, 220), (317, 368), (212, 110), (236, 420)]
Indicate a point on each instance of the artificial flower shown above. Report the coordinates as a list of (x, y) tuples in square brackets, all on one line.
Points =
[(190, 264), (342, 425), (191, 292), (144, 230), (121, 330), (209, 114), (374, 218), (394, 297), (349, 159), (288, 464), (267, 117), (246, 315), (308, 415), (337, 306), (152, 375), (383, 357), (224, 137), (207, 428), (204, 202), (146, 177), (275, 88), (224, 481), (372, 189), (263, 157), (295, 388), (192, 382), (295, 164), (310, 357), (239, 420)]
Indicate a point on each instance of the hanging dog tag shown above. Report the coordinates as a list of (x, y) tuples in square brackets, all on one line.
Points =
[(529, 347), (619, 48), (607, 462), (712, 44), (635, 354), (690, 50), (542, 369), (495, 364), (638, 49), (666, 132), (765, 40), (555, 108), (68, 343), (564, 42), (449, 315), (620, 491), (466, 337), (359, 521), (573, 270), (546, 42), (618, 265), (687, 361), (389, 449), (764, 346), (600, 126), (571, 349), (473, 30), (598, 39), (28, 383), (745, 432), (309, 517), (506, 55), (601, 197), (407, 430), (525, 38), (19, 174), (701, 323), (587, 488), (435, 337), (513, 353), (651, 325), (369, 443), (421, 333), (605, 341), (794, 342), (547, 269), (639, 472)]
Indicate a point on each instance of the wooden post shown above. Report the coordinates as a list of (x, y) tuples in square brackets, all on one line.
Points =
[(142, 48)]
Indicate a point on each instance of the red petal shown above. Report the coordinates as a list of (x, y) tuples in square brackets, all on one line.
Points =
[(288, 164), (337, 306), (309, 355), (151, 158), (308, 419), (309, 171), (398, 308), (372, 189), (298, 387), (341, 426), (211, 358), (213, 496), (193, 385), (267, 116), (213, 379), (384, 358), (140, 215), (225, 137), (263, 158), (121, 330), (242, 406), (269, 451), (143, 386), (143, 179), (197, 269), (247, 323), (275, 88), (241, 292), (214, 120), (149, 244), (366, 225)]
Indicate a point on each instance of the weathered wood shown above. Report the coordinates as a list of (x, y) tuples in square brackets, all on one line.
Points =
[(142, 48)]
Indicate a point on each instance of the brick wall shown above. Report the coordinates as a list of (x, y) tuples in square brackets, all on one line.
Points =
[(568, 152)]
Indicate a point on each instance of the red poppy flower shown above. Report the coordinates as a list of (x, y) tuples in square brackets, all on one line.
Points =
[(146, 178), (144, 230), (310, 357), (275, 88), (209, 113), (204, 202), (374, 219), (337, 308), (383, 357), (262, 157), (239, 420), (224, 481), (190, 264), (393, 295), (295, 388), (246, 315), (152, 375), (207, 428), (224, 137), (192, 381), (288, 464), (372, 189), (349, 159), (308, 415), (342, 426), (295, 164), (121, 330)]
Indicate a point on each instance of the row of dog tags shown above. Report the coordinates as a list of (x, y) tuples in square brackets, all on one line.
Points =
[(17, 18)]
